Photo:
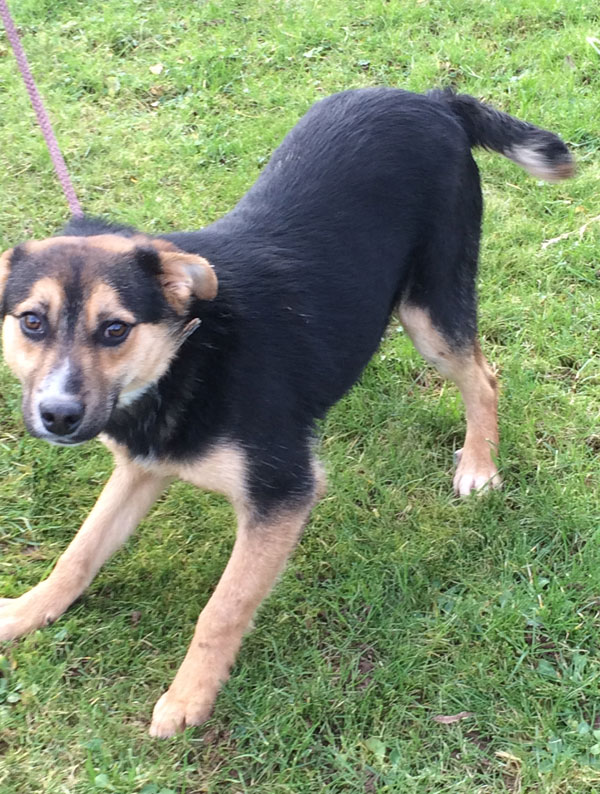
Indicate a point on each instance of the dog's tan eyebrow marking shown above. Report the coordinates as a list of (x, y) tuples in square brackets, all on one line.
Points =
[(103, 303), (39, 246), (155, 242), (47, 295), (112, 243), (5, 268)]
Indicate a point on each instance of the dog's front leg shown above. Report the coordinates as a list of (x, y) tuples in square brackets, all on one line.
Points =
[(127, 496), (259, 554)]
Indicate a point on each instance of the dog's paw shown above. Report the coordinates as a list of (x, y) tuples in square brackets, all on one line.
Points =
[(475, 473), (15, 619), (174, 712)]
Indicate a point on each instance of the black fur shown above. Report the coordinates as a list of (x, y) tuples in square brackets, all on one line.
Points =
[(372, 198), (485, 126)]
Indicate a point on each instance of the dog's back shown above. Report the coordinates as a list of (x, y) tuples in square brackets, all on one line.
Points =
[(373, 196)]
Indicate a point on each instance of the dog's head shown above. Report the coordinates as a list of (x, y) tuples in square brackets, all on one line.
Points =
[(91, 322)]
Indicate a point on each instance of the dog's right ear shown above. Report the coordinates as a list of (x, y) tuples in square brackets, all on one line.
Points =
[(4, 271), (183, 275)]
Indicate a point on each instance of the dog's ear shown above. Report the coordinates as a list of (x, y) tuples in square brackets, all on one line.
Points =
[(185, 275), (4, 271)]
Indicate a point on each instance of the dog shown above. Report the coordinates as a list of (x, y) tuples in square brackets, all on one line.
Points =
[(209, 355)]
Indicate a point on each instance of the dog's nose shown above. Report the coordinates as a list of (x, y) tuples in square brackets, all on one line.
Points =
[(61, 416)]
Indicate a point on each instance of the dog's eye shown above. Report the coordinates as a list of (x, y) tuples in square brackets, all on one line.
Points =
[(33, 325), (114, 332)]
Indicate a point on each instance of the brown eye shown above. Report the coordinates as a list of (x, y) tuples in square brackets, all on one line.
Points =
[(114, 332), (32, 322), (32, 325)]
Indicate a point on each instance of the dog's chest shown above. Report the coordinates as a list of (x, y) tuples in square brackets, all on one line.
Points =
[(223, 468)]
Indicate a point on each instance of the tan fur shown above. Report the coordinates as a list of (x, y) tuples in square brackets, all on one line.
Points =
[(104, 304), (19, 353), (27, 359), (470, 371), (259, 555), (536, 162), (565, 170), (141, 359), (135, 364), (127, 496), (109, 243), (24, 358), (184, 275), (4, 269), (155, 242), (262, 546), (47, 297), (222, 469)]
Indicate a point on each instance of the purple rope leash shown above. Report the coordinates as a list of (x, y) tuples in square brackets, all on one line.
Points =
[(40, 111)]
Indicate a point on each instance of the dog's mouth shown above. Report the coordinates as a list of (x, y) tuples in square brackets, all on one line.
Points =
[(92, 422), (73, 440), (63, 442)]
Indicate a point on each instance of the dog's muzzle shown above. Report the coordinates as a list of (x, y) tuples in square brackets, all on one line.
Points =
[(61, 416)]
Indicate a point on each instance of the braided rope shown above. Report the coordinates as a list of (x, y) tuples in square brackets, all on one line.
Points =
[(40, 111)]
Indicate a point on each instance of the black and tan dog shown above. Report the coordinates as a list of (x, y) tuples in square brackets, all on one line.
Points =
[(209, 355)]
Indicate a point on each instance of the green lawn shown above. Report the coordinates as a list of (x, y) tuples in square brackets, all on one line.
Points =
[(402, 603)]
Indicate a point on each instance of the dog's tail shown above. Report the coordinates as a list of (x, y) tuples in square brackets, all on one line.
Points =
[(538, 151)]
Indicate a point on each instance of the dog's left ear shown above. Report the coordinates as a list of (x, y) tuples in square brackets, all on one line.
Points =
[(4, 271), (185, 275)]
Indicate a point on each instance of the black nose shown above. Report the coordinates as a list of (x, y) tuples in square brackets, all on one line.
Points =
[(61, 416)]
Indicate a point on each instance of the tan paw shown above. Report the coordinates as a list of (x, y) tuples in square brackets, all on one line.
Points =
[(173, 713), (475, 474), (17, 617)]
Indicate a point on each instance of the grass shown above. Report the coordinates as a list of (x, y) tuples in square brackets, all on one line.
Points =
[(402, 603)]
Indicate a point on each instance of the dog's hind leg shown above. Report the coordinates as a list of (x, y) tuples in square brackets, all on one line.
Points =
[(260, 552), (127, 496), (464, 363)]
